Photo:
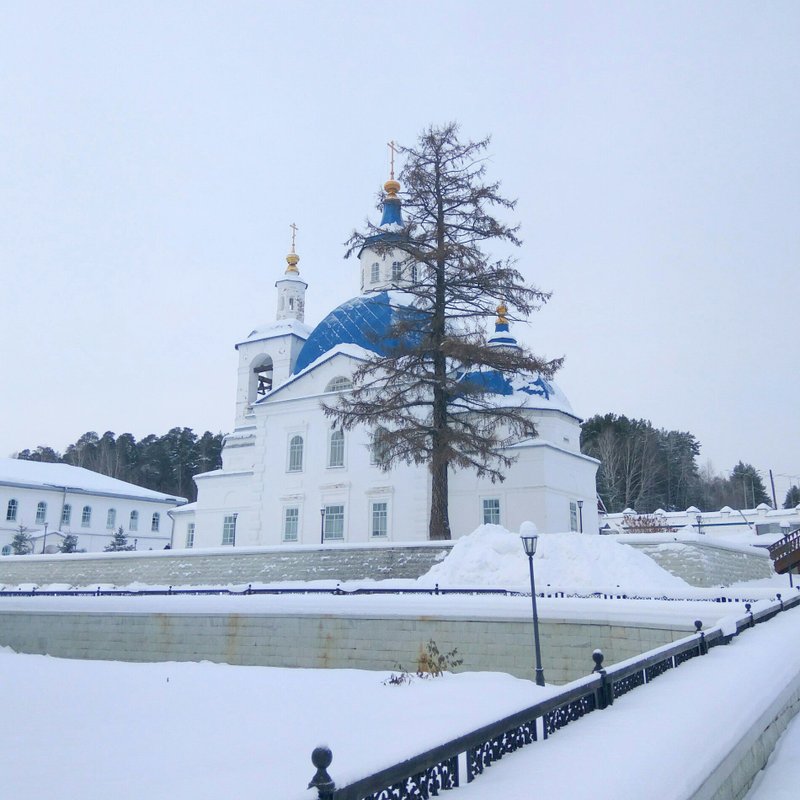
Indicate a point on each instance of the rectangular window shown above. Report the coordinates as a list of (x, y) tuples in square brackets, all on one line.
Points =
[(111, 518), (66, 514), (397, 272), (333, 527), (133, 524), (336, 449), (380, 519), (573, 515), (190, 535), (491, 511), (11, 512), (291, 523), (41, 512), (374, 273), (229, 530), (155, 523), (86, 517)]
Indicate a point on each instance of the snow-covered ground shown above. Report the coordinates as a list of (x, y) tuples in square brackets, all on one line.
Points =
[(97, 729), (90, 729)]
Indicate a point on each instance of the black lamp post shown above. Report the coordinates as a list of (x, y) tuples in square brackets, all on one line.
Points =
[(529, 542), (44, 541), (580, 516), (699, 523), (322, 525), (235, 516)]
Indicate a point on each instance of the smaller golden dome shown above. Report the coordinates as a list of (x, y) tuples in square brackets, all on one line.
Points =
[(392, 187), (291, 261), (502, 310)]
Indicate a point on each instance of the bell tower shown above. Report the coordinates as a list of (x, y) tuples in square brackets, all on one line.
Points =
[(291, 287)]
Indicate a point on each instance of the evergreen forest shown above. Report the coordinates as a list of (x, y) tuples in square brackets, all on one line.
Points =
[(163, 463)]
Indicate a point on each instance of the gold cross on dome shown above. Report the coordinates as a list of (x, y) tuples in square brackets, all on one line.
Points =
[(392, 150), (294, 233)]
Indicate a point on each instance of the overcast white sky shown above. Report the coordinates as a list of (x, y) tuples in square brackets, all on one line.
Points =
[(154, 154)]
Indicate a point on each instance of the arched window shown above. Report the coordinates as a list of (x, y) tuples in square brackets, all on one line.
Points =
[(375, 273), (11, 511), (339, 384), (397, 271), (86, 517), (66, 514), (336, 449), (111, 518), (41, 512), (296, 454), (133, 522), (155, 523), (413, 273), (377, 450)]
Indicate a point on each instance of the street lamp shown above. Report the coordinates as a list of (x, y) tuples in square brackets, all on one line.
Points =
[(580, 516), (44, 541), (529, 541), (322, 525), (235, 516), (699, 519)]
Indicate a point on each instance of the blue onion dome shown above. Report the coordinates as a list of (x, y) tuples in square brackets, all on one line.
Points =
[(364, 322)]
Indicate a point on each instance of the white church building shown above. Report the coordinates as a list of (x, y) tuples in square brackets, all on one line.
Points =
[(291, 477)]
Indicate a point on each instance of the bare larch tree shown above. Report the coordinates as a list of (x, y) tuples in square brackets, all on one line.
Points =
[(427, 395)]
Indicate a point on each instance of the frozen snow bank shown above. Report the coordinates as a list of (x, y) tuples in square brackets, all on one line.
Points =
[(493, 556)]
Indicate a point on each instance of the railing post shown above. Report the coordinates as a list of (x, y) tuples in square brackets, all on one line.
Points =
[(780, 599), (747, 608), (321, 758), (703, 645), (604, 696)]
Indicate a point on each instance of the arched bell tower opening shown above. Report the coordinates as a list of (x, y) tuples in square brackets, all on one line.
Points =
[(261, 377)]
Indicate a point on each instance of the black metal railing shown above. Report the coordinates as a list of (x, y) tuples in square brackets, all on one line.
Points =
[(726, 596), (426, 774)]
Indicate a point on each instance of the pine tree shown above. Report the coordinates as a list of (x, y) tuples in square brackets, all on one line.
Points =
[(792, 497), (22, 543), (70, 544), (749, 485), (414, 396), (119, 542)]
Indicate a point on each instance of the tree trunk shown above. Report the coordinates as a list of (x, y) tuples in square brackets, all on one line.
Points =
[(439, 523)]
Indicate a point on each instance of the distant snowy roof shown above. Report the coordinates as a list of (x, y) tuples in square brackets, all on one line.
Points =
[(57, 476), (269, 330)]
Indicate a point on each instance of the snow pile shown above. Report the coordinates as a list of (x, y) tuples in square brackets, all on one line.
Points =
[(493, 556)]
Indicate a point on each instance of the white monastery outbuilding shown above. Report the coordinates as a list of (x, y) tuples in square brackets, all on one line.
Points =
[(289, 476), (49, 501)]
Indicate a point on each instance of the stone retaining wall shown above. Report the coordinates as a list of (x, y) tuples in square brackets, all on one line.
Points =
[(224, 567), (341, 641)]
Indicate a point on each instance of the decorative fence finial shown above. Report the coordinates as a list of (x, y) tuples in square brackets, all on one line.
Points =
[(321, 758)]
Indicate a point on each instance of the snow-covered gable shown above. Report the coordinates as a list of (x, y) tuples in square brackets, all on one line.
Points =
[(269, 330)]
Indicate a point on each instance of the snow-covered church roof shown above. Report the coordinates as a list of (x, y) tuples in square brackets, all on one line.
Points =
[(19, 472)]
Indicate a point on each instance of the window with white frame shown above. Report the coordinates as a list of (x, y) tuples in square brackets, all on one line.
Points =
[(397, 271), (66, 514), (190, 535), (339, 384), (377, 449), (336, 449), (291, 523), (573, 515), (229, 530), (86, 517), (155, 522), (133, 522), (491, 510), (375, 273), (111, 518), (333, 522), (41, 512), (379, 523), (11, 510), (295, 454)]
